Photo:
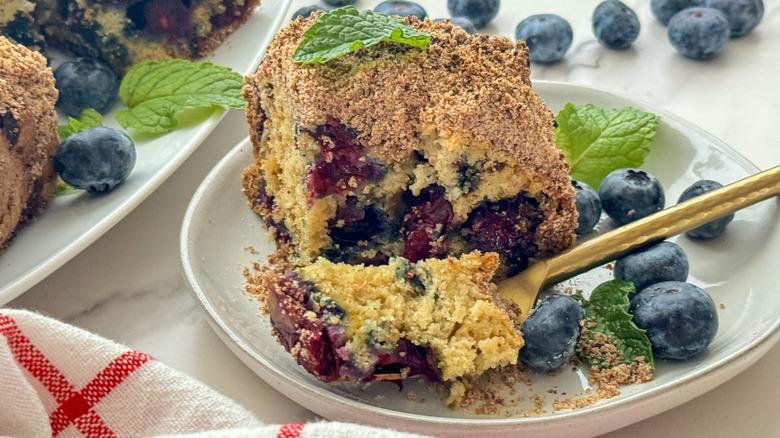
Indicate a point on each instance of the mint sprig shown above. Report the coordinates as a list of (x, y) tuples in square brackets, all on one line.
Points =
[(607, 312), (597, 140), (155, 91), (346, 29), (88, 119)]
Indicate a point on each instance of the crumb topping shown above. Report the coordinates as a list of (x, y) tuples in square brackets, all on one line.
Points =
[(474, 89)]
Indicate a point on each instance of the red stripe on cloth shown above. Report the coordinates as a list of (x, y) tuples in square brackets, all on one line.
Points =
[(34, 361), (75, 407), (113, 375), (80, 405), (290, 430)]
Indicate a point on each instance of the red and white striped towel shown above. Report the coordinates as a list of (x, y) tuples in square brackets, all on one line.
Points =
[(59, 380)]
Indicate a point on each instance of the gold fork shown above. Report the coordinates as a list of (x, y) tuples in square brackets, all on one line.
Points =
[(524, 287)]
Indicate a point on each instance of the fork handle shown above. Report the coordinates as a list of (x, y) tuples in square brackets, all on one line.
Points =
[(664, 224)]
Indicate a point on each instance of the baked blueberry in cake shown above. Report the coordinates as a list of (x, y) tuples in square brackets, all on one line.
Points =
[(437, 318), (392, 151), (125, 32), (28, 137)]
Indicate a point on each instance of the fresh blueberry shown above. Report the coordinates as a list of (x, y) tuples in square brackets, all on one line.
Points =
[(551, 333), (629, 194), (307, 10), (85, 83), (710, 229), (548, 37), (462, 22), (698, 33), (401, 8), (663, 10), (588, 207), (681, 319), (615, 25), (743, 15), (479, 12), (339, 3), (665, 261), (95, 160)]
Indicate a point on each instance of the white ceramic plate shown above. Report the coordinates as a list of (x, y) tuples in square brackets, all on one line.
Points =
[(737, 269), (72, 222)]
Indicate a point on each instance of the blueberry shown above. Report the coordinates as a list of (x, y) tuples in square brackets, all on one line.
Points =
[(551, 333), (548, 37), (462, 22), (698, 33), (401, 8), (665, 261), (588, 207), (307, 10), (629, 194), (710, 229), (85, 83), (615, 25), (339, 3), (479, 12), (664, 9), (742, 15), (95, 160), (681, 319)]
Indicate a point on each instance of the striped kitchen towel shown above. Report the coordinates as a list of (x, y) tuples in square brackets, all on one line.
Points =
[(60, 380)]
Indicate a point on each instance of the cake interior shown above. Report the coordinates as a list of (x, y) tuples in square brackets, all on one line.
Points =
[(330, 196), (438, 318)]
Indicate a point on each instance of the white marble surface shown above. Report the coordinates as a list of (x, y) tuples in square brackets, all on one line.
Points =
[(129, 285)]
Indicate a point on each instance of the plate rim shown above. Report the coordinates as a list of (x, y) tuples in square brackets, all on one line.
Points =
[(713, 374)]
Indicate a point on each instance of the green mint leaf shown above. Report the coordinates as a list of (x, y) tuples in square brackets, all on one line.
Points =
[(63, 188), (155, 91), (88, 119), (597, 140), (607, 313), (346, 29)]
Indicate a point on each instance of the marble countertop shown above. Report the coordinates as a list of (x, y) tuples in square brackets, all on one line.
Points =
[(129, 285)]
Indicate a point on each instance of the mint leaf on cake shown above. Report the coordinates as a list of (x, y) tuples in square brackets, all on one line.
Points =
[(597, 140), (346, 29), (154, 92)]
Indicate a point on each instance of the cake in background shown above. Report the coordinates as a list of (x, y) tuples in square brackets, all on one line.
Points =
[(28, 137), (122, 33)]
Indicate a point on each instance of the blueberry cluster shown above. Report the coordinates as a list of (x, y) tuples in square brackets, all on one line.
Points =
[(698, 29), (97, 159), (549, 36), (680, 318), (628, 194)]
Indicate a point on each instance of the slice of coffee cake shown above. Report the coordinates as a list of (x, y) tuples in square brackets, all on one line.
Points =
[(395, 151)]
